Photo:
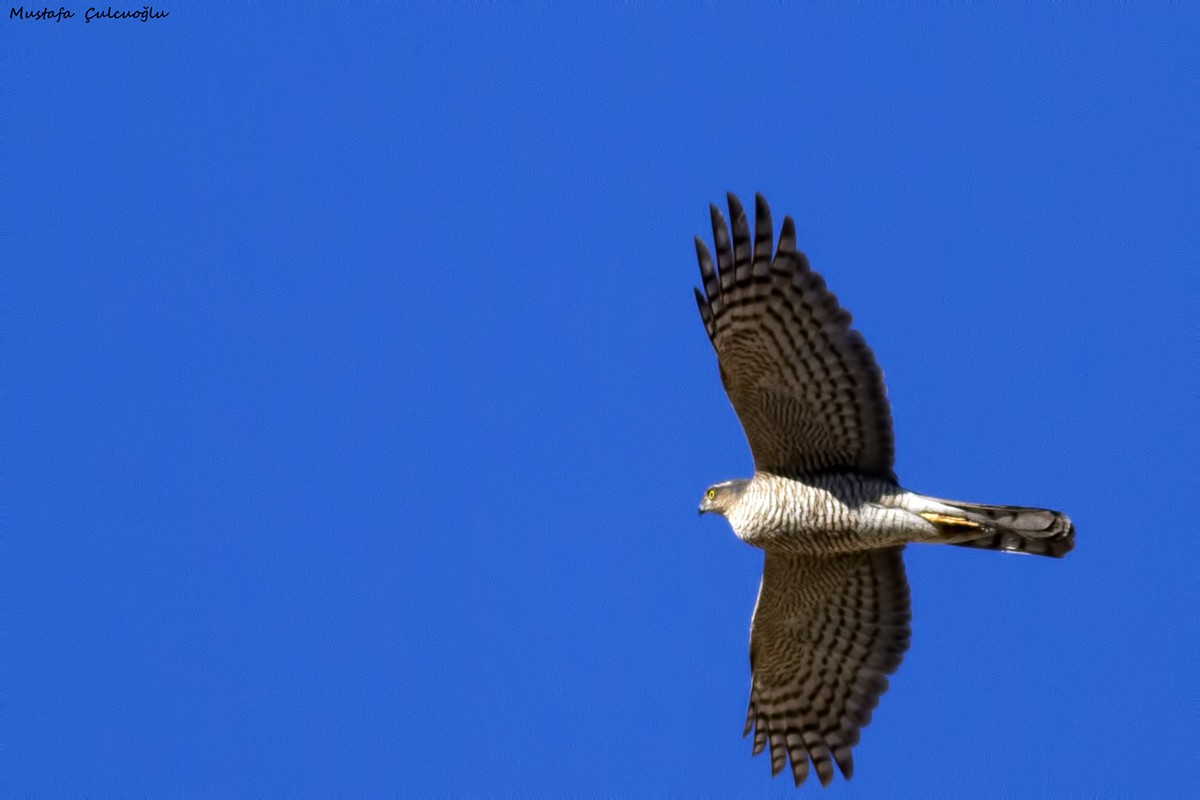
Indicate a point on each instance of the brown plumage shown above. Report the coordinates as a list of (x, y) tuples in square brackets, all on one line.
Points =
[(832, 617)]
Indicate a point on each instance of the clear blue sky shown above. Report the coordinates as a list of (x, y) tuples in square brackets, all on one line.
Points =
[(357, 407)]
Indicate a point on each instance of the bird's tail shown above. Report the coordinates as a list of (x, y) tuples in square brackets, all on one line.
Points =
[(1017, 529)]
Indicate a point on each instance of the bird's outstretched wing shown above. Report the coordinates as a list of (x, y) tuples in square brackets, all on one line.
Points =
[(806, 387), (827, 631)]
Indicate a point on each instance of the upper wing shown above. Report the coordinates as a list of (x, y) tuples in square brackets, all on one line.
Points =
[(804, 385), (826, 632)]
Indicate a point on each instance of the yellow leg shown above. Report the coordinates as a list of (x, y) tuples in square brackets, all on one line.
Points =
[(942, 519)]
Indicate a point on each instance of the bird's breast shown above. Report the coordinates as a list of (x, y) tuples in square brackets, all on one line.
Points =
[(812, 516)]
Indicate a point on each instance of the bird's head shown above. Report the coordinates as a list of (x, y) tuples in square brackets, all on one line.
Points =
[(721, 497)]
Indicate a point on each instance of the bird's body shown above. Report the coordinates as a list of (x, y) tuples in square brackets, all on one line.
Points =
[(823, 514), (832, 617), (844, 512)]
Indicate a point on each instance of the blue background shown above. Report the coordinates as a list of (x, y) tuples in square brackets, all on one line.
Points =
[(357, 407)]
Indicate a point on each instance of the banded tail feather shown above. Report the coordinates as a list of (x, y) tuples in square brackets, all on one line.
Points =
[(1014, 529)]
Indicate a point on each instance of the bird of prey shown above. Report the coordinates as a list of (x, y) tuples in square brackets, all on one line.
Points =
[(832, 617)]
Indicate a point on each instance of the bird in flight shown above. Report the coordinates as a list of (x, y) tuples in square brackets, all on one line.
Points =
[(832, 617)]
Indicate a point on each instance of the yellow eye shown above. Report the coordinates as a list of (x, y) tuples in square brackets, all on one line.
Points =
[(712, 494)]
